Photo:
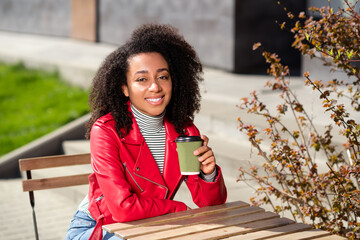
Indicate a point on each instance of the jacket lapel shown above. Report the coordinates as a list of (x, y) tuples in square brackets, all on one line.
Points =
[(145, 165), (171, 172)]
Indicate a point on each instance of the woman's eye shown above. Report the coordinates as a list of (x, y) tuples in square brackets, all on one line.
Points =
[(140, 79), (164, 77)]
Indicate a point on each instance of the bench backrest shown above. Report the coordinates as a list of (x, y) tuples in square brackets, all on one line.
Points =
[(29, 164), (30, 185)]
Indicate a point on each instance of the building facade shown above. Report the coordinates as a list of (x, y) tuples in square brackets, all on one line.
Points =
[(222, 31)]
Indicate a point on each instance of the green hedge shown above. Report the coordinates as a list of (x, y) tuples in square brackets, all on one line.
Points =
[(34, 103)]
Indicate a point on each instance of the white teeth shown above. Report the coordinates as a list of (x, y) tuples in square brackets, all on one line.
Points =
[(153, 99)]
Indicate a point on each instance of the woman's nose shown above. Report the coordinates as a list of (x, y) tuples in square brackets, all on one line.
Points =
[(155, 86)]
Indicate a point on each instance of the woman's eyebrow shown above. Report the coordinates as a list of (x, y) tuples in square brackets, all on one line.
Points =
[(146, 71), (140, 72), (162, 69)]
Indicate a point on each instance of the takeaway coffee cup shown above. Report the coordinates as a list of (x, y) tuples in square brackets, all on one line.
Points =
[(186, 145)]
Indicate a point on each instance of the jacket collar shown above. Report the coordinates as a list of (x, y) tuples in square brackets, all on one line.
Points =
[(135, 136), (146, 162)]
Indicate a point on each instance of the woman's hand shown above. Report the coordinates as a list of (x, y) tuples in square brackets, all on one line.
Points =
[(207, 157)]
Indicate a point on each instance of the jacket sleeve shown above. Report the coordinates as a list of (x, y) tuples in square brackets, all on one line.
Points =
[(206, 193), (120, 199)]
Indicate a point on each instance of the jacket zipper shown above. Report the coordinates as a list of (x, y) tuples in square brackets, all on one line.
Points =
[(99, 198), (132, 177), (167, 190)]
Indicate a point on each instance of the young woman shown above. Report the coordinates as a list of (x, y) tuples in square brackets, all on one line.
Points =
[(143, 97)]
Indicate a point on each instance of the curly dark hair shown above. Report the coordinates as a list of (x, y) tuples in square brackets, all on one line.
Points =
[(185, 69)]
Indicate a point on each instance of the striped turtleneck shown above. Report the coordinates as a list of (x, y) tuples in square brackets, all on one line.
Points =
[(153, 130)]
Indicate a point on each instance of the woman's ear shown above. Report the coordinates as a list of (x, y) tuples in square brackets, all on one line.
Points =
[(125, 90)]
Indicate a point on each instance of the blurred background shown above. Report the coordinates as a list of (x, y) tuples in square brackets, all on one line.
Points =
[(73, 37), (222, 32)]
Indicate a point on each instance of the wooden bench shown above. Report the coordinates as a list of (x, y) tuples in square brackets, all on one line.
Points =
[(30, 185)]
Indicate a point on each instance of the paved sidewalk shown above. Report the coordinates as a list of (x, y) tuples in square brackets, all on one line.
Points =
[(53, 209)]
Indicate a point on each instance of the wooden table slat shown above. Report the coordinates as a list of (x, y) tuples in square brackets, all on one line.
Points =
[(213, 217), (205, 227), (240, 229), (273, 232), (310, 234), (174, 216), (332, 237)]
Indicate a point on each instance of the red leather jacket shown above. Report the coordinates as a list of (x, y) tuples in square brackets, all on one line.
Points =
[(127, 185)]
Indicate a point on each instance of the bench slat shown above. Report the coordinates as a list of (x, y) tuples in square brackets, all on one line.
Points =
[(53, 161), (56, 182)]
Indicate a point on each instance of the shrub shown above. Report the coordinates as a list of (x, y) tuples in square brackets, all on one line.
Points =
[(290, 178)]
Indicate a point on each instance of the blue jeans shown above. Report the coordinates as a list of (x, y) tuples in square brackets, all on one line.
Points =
[(82, 226)]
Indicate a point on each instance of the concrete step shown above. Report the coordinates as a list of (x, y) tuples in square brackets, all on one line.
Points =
[(76, 146)]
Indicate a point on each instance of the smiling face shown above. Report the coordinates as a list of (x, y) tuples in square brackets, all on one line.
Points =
[(148, 83)]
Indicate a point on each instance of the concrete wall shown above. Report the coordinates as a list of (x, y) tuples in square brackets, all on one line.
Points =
[(208, 24), (222, 32), (44, 17), (49, 144)]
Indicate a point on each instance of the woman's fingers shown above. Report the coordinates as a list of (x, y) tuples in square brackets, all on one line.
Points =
[(205, 139), (206, 154), (208, 161), (201, 150), (208, 165)]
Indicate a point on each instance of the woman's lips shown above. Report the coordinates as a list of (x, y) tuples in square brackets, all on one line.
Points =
[(155, 101)]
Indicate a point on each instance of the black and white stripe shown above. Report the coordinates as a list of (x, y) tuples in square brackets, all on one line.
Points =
[(153, 130)]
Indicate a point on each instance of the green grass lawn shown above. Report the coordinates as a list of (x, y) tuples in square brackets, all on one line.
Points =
[(34, 103)]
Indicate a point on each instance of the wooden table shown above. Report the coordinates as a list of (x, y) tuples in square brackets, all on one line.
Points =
[(236, 220)]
